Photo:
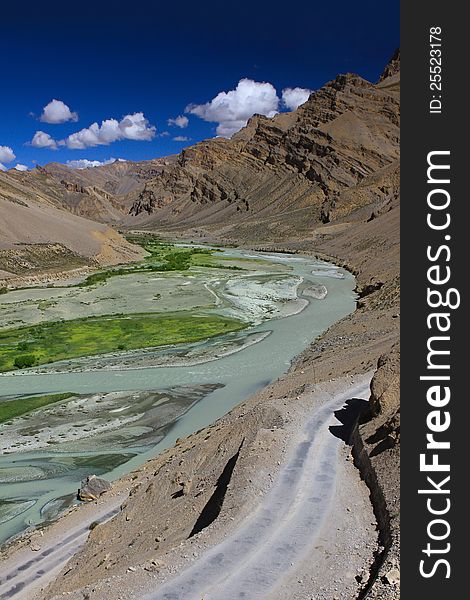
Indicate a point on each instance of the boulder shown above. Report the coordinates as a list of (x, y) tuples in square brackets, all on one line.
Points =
[(92, 488), (392, 577)]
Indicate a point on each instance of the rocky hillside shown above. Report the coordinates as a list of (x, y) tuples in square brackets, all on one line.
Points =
[(117, 178), (278, 178), (37, 233), (325, 180), (97, 193), (74, 195)]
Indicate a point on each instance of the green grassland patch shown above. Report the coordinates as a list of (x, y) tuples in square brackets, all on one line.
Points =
[(61, 340)]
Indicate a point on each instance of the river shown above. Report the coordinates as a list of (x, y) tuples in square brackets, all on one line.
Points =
[(36, 483)]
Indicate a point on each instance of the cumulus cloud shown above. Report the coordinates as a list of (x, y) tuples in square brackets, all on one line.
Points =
[(6, 154), (57, 112), (136, 127), (20, 167), (231, 110), (43, 140), (292, 98), (180, 121), (181, 138), (131, 127), (84, 163)]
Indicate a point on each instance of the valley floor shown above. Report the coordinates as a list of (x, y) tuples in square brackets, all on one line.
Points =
[(278, 539), (354, 541)]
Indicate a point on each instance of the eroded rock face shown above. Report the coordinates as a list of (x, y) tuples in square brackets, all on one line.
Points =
[(393, 66), (385, 385), (287, 173), (379, 438), (92, 488)]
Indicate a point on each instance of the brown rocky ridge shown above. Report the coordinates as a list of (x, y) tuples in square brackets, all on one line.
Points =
[(322, 180), (107, 184), (278, 178), (38, 233)]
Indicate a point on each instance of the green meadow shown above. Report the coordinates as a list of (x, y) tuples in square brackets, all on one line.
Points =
[(48, 342), (161, 258), (9, 409)]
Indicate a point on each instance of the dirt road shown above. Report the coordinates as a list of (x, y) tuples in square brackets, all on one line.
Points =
[(35, 564), (255, 560)]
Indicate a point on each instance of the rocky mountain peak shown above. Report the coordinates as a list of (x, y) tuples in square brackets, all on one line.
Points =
[(284, 175), (392, 67)]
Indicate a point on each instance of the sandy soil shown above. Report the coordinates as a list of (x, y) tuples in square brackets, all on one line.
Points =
[(308, 488)]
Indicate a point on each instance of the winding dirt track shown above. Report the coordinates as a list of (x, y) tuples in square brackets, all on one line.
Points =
[(250, 563), (21, 577), (254, 560)]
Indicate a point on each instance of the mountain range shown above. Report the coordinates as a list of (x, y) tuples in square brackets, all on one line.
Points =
[(322, 180), (334, 159)]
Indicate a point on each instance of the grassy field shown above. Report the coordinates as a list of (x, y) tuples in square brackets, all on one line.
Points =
[(162, 258), (213, 262), (48, 342), (9, 409)]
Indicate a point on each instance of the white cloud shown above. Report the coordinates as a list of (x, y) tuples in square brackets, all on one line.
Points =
[(131, 127), (20, 167), (181, 138), (231, 110), (6, 154), (180, 121), (292, 98), (57, 112), (95, 135), (84, 163), (43, 140), (136, 127)]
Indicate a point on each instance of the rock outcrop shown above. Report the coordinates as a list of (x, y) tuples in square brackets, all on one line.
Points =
[(379, 442), (92, 488), (393, 66), (38, 234), (280, 177)]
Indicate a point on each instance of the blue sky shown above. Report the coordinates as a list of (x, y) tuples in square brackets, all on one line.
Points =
[(108, 60)]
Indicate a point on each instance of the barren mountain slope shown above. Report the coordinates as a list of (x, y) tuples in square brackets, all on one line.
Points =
[(277, 178), (349, 211), (118, 178), (88, 201), (37, 234)]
